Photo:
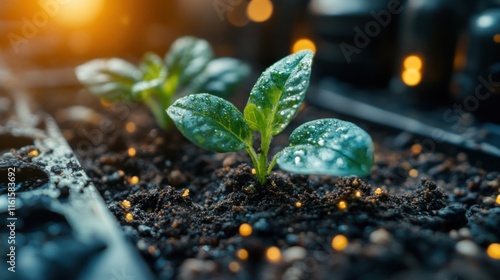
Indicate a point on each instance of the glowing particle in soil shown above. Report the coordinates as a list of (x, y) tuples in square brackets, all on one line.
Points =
[(33, 153), (378, 191), (273, 254), (185, 193), (129, 217), (413, 173), (245, 229), (254, 171), (498, 199), (130, 127), (339, 242), (493, 251), (342, 205), (131, 152), (126, 204), (134, 180), (298, 204), (355, 183), (242, 254), (234, 266), (358, 194)]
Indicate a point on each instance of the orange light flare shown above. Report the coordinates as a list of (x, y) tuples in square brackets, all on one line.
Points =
[(76, 13), (260, 10), (412, 73), (303, 44)]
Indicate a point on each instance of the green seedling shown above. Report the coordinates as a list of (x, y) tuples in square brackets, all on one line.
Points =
[(325, 146), (187, 68)]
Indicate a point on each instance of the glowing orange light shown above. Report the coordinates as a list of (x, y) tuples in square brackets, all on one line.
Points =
[(238, 16), (493, 251), (242, 254), (411, 77), (234, 266), (245, 229), (259, 10), (77, 13), (131, 152), (303, 44), (496, 38), (412, 62), (339, 242), (129, 217), (273, 254)]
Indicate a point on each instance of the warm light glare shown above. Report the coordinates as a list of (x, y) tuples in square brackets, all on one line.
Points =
[(185, 193), (378, 191), (273, 254), (134, 180), (413, 62), (234, 267), (245, 229), (131, 152), (411, 77), (259, 10), (303, 44), (498, 199), (413, 173), (242, 254), (75, 13), (339, 242), (342, 205), (496, 38), (493, 251), (130, 127)]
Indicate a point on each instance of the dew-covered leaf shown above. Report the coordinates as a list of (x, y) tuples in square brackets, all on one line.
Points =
[(328, 146), (152, 67), (220, 77), (280, 90), (110, 79), (187, 58), (211, 123)]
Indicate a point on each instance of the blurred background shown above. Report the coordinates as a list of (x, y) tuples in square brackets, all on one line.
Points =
[(436, 62)]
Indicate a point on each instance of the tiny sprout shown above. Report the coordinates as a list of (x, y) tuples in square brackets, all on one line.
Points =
[(325, 146), (187, 68)]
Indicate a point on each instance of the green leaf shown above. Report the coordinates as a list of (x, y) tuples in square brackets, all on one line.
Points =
[(152, 67), (110, 79), (211, 123), (254, 117), (280, 90), (187, 58), (220, 77), (328, 146)]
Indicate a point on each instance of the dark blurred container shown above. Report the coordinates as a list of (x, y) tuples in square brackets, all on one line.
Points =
[(355, 39), (428, 35), (477, 87)]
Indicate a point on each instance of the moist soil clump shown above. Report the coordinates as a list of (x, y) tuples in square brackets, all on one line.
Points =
[(420, 215)]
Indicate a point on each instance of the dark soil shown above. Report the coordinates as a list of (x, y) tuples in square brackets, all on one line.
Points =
[(422, 214)]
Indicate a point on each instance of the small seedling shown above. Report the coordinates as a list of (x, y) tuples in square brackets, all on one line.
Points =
[(188, 68), (325, 146)]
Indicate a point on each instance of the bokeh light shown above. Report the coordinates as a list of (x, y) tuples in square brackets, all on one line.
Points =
[(303, 44), (260, 10), (77, 13)]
